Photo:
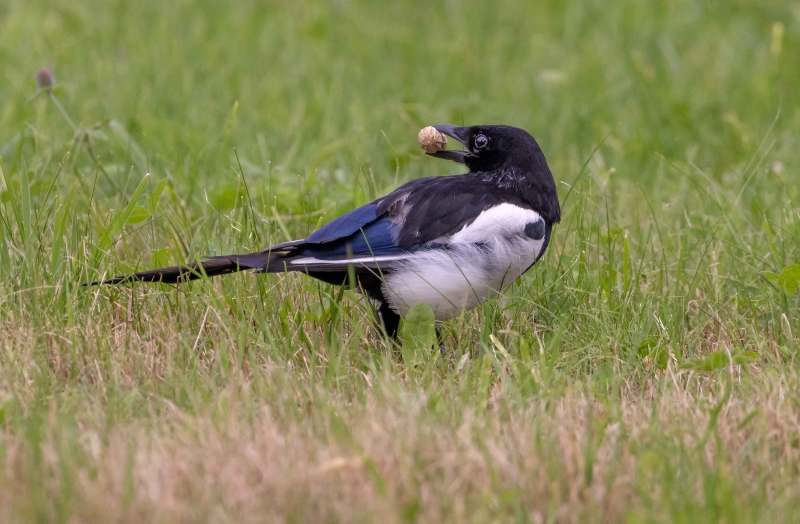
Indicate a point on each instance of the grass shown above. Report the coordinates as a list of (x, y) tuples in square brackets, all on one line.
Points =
[(645, 371)]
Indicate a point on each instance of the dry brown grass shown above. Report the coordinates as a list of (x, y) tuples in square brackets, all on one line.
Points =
[(301, 454)]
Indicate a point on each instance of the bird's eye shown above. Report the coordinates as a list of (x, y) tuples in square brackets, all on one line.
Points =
[(481, 141)]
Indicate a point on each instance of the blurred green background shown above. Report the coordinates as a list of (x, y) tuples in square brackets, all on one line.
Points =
[(304, 89)]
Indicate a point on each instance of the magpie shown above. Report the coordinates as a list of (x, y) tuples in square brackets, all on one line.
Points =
[(450, 242)]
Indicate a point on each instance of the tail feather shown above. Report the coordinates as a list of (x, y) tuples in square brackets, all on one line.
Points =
[(265, 261)]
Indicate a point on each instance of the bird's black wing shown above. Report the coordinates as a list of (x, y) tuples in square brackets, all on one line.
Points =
[(384, 233), (427, 209), (409, 217)]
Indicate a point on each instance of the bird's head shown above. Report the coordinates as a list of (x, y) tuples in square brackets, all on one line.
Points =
[(489, 148), (505, 151)]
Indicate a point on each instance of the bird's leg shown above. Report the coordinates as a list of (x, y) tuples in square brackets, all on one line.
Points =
[(389, 320), (443, 350)]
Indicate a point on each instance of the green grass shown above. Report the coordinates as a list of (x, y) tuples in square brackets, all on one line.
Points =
[(645, 371)]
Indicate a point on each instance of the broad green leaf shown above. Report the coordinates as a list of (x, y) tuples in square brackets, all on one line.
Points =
[(139, 214), (160, 258), (152, 200), (419, 328), (720, 360), (788, 279)]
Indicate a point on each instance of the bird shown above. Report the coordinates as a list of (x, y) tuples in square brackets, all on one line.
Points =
[(451, 242)]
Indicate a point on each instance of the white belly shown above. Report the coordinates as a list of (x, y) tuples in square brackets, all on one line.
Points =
[(461, 277)]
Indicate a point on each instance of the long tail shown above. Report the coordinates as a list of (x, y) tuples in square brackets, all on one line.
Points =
[(271, 260)]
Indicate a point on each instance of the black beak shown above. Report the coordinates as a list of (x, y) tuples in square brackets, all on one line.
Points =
[(459, 133)]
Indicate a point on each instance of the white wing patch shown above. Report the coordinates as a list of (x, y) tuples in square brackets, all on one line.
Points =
[(305, 261)]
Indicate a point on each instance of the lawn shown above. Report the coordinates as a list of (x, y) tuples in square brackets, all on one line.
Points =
[(646, 370)]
